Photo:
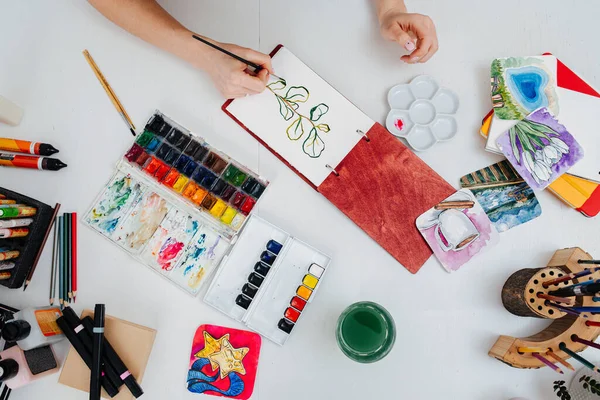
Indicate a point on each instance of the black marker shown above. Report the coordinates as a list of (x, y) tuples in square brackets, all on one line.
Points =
[(97, 351)]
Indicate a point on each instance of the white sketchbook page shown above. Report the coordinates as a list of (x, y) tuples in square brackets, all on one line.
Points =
[(580, 114), (261, 115)]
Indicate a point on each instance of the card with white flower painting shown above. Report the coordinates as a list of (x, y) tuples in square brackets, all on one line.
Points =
[(540, 148)]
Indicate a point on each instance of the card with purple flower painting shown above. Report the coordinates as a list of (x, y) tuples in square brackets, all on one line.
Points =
[(540, 148)]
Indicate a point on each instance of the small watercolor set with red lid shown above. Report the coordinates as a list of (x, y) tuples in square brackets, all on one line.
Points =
[(267, 280)]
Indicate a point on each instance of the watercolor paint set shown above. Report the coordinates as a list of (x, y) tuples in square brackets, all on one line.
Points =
[(189, 167), (267, 280), (25, 224)]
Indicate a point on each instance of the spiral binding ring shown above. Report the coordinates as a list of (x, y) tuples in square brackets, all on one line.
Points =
[(333, 170), (363, 134)]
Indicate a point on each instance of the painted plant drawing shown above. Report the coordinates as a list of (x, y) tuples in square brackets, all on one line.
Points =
[(223, 362), (521, 85), (503, 194), (457, 229), (540, 148), (306, 127)]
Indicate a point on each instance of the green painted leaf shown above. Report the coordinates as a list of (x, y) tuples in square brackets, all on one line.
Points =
[(296, 130), (284, 109), (525, 144), (277, 85), (313, 146), (513, 142), (323, 128), (297, 94), (585, 385), (318, 111)]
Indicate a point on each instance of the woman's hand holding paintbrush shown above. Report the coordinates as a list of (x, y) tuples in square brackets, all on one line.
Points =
[(233, 77)]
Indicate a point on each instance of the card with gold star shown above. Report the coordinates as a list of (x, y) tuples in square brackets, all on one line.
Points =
[(223, 362)]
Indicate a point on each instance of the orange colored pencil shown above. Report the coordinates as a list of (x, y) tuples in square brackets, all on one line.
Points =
[(560, 360)]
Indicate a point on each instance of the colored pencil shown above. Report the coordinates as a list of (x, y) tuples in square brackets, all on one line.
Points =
[(588, 261), (109, 91), (560, 360), (555, 298), (69, 258), (564, 309), (65, 262), (74, 256), (257, 68), (578, 289), (586, 309), (547, 362), (39, 254), (592, 323), (569, 277), (53, 267), (576, 356), (532, 349), (577, 339), (60, 262)]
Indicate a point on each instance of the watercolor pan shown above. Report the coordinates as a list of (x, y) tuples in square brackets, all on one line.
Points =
[(174, 156), (263, 309)]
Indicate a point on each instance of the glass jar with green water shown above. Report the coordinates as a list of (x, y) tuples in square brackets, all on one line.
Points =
[(365, 332)]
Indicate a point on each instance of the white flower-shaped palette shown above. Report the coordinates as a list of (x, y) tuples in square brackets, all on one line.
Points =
[(422, 112)]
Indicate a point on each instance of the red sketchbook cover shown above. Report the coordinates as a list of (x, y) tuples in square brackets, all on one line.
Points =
[(383, 187)]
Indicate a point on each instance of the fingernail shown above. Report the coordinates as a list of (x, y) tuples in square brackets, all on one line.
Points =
[(414, 59), (410, 46)]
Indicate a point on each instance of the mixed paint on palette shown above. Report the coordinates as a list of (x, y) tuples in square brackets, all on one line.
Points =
[(521, 85), (161, 236), (504, 196), (457, 229), (114, 203), (203, 254), (540, 148), (168, 242), (223, 362)]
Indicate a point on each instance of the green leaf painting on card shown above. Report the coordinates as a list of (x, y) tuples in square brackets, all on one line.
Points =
[(301, 126)]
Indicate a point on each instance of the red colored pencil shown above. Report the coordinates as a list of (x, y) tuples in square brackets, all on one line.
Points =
[(74, 255), (592, 323)]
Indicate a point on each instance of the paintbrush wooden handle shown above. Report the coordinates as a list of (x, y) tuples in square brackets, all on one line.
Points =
[(446, 205)]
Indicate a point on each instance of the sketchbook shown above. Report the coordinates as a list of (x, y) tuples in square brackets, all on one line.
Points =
[(354, 162)]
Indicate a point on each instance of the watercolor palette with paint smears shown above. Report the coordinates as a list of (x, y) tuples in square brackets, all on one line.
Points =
[(206, 178), (170, 238), (267, 280)]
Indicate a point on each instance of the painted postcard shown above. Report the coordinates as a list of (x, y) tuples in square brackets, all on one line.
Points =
[(223, 362), (540, 148), (169, 241), (141, 222), (520, 85), (114, 203), (503, 194), (457, 229), (204, 253)]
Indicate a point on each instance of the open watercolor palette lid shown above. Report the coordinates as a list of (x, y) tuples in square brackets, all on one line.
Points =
[(175, 203), (267, 280), (422, 112)]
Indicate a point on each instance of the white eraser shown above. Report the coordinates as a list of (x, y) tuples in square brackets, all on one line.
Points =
[(10, 113)]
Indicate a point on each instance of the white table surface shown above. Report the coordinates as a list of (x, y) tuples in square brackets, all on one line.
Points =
[(446, 323)]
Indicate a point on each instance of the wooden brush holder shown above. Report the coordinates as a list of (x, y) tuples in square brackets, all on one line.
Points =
[(522, 287)]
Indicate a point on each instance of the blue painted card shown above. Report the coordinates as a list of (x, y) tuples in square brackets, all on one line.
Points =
[(503, 194)]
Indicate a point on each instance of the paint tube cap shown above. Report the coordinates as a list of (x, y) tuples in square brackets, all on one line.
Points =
[(16, 330)]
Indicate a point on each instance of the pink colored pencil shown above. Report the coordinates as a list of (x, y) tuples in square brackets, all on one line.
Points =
[(547, 362)]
